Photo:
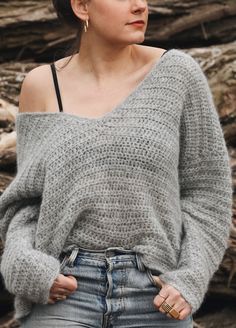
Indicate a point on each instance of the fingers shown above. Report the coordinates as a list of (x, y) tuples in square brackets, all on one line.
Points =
[(158, 281), (62, 287), (60, 291), (72, 277), (59, 297), (55, 298), (58, 294), (51, 301), (64, 282), (173, 298), (179, 304)]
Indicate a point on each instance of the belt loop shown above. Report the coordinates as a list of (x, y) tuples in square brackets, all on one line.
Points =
[(140, 265), (72, 257), (63, 262), (69, 260)]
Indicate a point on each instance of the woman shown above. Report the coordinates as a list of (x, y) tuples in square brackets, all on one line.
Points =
[(120, 210)]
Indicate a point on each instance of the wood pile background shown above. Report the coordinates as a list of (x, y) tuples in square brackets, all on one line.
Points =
[(31, 35)]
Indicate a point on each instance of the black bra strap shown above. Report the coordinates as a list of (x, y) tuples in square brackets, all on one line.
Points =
[(165, 52), (54, 74)]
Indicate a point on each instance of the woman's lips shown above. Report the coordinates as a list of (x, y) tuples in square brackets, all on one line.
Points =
[(137, 23)]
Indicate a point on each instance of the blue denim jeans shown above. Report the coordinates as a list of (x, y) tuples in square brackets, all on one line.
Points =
[(115, 290)]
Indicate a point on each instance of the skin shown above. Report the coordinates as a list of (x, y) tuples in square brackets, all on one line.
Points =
[(110, 58), (111, 38), (173, 297), (110, 62), (62, 287)]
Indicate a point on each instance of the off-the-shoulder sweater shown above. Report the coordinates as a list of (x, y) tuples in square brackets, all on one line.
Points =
[(152, 175)]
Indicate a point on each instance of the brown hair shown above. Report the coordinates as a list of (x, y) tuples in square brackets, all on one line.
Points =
[(66, 16)]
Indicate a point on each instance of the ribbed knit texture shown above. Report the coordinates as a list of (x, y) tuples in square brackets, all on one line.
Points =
[(153, 175)]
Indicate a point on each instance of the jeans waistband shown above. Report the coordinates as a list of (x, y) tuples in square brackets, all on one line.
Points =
[(69, 258)]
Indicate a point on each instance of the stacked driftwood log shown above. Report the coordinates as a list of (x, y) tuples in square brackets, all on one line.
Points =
[(31, 35)]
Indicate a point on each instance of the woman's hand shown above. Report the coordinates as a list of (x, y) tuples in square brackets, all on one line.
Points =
[(173, 297), (62, 287)]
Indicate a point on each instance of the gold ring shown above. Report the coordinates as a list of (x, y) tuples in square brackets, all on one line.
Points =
[(59, 298), (166, 307), (175, 314), (169, 309)]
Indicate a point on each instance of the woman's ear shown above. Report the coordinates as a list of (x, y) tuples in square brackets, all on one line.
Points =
[(80, 8)]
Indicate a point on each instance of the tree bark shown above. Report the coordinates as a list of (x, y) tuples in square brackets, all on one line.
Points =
[(32, 30), (192, 21)]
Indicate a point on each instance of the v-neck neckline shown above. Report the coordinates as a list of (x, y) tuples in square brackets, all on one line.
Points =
[(115, 110)]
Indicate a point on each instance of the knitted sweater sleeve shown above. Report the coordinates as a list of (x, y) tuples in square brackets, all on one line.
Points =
[(205, 191), (27, 272)]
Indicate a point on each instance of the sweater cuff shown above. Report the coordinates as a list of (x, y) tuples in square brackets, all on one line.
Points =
[(32, 276)]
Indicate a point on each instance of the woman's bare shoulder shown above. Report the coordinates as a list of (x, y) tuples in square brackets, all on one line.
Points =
[(37, 87), (149, 54), (34, 89)]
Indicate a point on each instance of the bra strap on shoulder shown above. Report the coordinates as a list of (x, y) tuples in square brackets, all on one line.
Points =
[(54, 74), (165, 52)]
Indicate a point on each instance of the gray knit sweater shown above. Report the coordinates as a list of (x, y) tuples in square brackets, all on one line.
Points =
[(152, 175)]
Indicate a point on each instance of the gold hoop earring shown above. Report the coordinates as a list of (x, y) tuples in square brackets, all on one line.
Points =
[(86, 25)]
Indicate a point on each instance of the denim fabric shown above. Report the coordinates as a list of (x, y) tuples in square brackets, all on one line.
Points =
[(114, 290)]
